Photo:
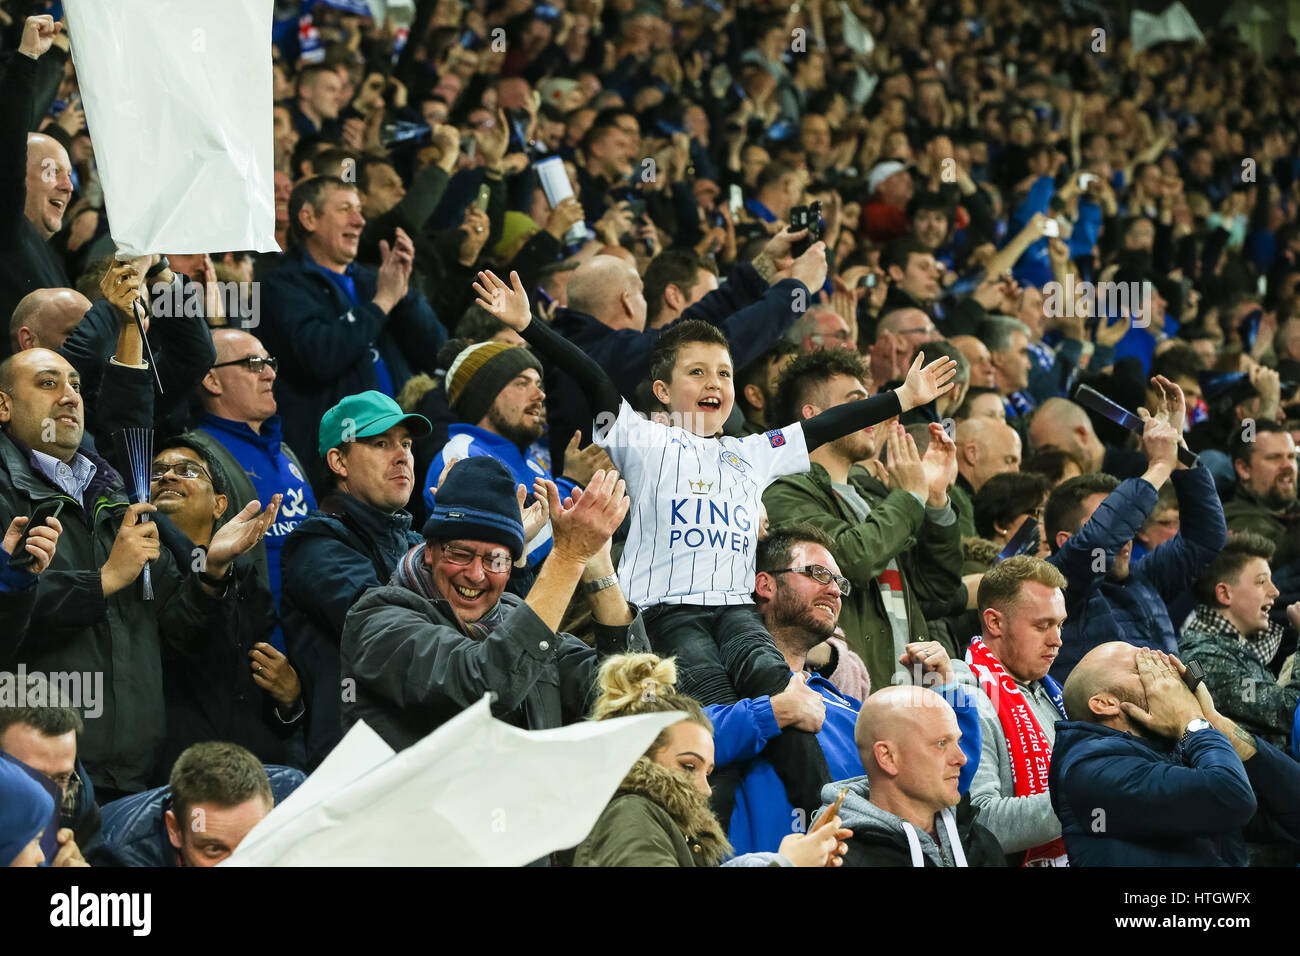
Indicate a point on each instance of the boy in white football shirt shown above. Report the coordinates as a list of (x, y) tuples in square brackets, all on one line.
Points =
[(689, 558)]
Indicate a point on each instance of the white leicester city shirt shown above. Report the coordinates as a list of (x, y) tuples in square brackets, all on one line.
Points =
[(695, 507)]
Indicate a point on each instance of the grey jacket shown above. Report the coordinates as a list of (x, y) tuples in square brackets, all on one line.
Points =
[(1019, 823), (880, 837), (407, 666)]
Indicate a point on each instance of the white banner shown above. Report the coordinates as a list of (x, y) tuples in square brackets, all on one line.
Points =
[(475, 792), (177, 96), (1174, 25)]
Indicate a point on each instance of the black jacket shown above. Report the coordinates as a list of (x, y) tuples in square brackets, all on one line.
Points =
[(324, 344), (75, 628), (338, 553), (209, 687), (27, 261)]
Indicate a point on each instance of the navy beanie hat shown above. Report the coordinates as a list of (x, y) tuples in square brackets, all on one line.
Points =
[(476, 502), (25, 810)]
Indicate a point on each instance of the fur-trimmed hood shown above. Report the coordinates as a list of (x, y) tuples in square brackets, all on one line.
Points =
[(688, 807)]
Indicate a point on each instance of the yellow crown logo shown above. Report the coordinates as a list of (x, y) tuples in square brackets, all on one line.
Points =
[(700, 487)]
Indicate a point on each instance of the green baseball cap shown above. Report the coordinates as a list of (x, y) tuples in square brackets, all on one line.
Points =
[(365, 415)]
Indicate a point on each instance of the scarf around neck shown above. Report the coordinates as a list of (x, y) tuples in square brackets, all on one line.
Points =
[(413, 574), (1027, 744)]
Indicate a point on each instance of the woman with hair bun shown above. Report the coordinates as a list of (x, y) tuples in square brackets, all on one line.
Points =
[(660, 814)]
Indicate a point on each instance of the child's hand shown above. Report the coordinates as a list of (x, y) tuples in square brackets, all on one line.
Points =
[(509, 303), (924, 385)]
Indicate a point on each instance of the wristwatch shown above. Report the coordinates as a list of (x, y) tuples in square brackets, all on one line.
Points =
[(1193, 725), (600, 584)]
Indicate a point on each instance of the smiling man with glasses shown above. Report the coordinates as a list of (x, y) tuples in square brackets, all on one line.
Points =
[(445, 631), (240, 433), (235, 685), (799, 592)]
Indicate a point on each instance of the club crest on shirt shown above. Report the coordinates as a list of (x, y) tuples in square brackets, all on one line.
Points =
[(775, 438), (734, 460), (293, 470)]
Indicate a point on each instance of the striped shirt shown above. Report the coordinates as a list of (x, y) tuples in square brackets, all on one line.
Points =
[(695, 507)]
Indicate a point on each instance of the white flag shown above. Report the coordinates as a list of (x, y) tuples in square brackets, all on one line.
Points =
[(1174, 25), (475, 792), (177, 95)]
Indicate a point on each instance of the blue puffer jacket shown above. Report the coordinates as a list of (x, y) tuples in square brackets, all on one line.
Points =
[(135, 828), (1141, 801), (1134, 610)]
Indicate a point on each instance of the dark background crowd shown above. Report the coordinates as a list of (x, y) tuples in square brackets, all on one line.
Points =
[(373, 492)]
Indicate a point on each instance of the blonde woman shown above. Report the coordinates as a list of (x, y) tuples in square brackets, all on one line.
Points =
[(660, 815)]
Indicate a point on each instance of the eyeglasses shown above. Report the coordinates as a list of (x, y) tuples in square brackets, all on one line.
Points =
[(69, 785), (181, 469), (254, 363), (498, 562), (821, 575)]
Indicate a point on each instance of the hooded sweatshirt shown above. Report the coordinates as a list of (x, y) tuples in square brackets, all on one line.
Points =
[(882, 839), (25, 810)]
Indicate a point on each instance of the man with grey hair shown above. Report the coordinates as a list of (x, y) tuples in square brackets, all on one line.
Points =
[(915, 327), (821, 328), (943, 408), (1007, 340), (606, 318)]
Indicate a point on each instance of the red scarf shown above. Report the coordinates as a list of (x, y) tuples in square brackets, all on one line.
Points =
[(1029, 748)]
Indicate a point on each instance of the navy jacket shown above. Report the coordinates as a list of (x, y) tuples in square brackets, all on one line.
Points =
[(323, 343), (751, 314), (1101, 610), (135, 827), (1141, 801)]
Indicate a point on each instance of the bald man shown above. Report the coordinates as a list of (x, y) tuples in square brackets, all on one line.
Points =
[(901, 811), (45, 318), (606, 311), (1146, 773), (1061, 423), (89, 616), (984, 448), (38, 178), (981, 363)]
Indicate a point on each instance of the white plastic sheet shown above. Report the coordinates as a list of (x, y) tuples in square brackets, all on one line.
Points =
[(475, 792), (1174, 25), (177, 96)]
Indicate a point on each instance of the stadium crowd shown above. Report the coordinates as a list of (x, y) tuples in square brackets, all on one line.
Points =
[(744, 360)]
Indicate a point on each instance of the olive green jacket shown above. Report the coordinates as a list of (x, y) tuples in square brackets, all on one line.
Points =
[(929, 557), (657, 818), (1245, 512)]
